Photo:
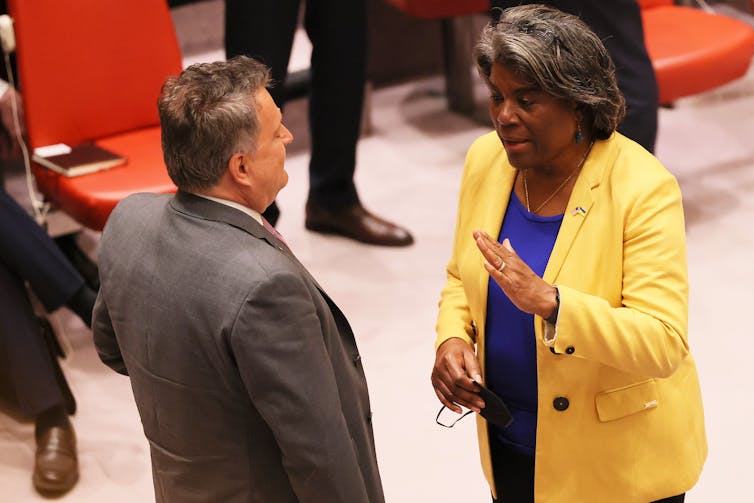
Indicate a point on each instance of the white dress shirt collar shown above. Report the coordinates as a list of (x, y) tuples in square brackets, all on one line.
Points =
[(252, 213)]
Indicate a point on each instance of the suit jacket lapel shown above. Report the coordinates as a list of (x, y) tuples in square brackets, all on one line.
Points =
[(206, 209), (578, 208)]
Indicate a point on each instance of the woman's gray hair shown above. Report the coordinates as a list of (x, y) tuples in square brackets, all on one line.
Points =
[(207, 114), (559, 54)]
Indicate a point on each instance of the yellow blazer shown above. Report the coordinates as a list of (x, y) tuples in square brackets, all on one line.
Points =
[(633, 430)]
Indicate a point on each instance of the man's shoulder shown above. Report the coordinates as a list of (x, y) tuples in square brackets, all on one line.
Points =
[(632, 166), (136, 210), (143, 199), (138, 204)]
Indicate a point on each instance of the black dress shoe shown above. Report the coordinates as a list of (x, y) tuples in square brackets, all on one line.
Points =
[(357, 223), (56, 467)]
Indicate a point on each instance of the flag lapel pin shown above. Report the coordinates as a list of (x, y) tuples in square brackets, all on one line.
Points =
[(578, 210)]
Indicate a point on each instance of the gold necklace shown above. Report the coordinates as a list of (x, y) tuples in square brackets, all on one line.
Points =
[(562, 184)]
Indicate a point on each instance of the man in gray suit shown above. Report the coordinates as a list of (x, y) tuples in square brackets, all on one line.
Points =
[(246, 375)]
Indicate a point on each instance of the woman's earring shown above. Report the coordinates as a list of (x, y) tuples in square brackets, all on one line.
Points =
[(579, 136)]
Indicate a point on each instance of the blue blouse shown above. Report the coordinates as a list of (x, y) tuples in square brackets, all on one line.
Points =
[(511, 349)]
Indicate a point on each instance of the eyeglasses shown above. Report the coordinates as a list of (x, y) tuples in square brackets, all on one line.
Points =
[(444, 423), (495, 410)]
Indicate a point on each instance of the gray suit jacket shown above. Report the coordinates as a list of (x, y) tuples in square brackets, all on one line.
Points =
[(246, 375)]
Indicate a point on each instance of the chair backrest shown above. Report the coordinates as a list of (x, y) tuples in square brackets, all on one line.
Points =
[(82, 69), (648, 4)]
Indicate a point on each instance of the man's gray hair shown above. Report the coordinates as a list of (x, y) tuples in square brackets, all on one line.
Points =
[(207, 114), (559, 54)]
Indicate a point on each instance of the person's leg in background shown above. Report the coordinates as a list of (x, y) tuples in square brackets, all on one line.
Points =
[(263, 30), (33, 375), (618, 23), (33, 256), (338, 66), (337, 29)]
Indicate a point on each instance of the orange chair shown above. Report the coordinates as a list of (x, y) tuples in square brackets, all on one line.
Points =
[(693, 51), (91, 70)]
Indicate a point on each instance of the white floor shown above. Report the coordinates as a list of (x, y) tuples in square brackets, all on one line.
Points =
[(409, 170)]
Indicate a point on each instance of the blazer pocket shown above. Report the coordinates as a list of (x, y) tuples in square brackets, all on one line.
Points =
[(621, 402)]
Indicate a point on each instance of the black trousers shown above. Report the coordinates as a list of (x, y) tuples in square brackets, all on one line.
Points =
[(27, 251), (29, 374), (514, 476), (618, 23), (264, 29), (27, 371)]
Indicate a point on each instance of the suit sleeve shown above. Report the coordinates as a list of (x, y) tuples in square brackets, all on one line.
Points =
[(647, 334), (282, 354), (104, 337)]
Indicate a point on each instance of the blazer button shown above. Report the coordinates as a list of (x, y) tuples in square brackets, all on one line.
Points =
[(369, 418), (552, 350), (356, 359), (570, 350), (561, 403)]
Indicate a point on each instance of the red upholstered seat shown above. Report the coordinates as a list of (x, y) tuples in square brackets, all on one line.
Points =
[(89, 199), (91, 70), (694, 51), (648, 4)]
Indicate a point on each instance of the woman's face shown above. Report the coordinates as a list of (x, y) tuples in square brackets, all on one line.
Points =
[(537, 130)]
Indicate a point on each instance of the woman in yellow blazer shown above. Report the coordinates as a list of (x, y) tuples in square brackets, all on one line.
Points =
[(591, 352)]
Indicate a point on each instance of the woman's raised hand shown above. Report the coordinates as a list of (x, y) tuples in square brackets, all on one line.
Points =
[(528, 292)]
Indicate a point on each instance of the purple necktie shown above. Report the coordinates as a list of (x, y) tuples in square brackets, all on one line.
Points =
[(274, 231)]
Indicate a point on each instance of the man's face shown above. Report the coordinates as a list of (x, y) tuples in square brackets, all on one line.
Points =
[(268, 160)]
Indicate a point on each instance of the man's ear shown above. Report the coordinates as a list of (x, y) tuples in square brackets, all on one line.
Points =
[(239, 168)]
